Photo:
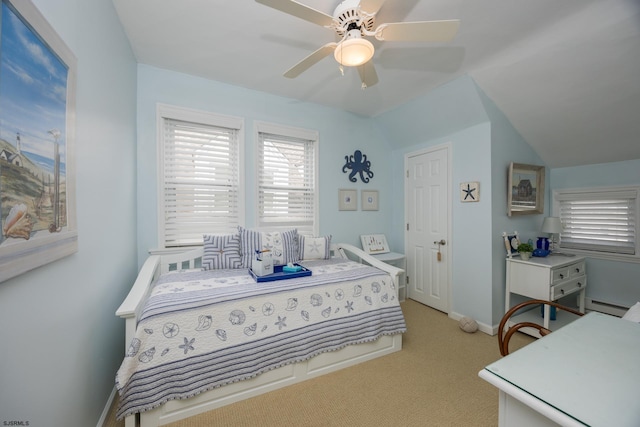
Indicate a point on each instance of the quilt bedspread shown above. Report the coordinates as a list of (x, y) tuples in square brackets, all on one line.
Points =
[(203, 329)]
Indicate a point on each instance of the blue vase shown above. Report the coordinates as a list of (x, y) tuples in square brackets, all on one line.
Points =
[(543, 243)]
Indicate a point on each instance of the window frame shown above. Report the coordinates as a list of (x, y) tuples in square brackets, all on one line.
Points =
[(287, 132), (597, 191), (206, 118)]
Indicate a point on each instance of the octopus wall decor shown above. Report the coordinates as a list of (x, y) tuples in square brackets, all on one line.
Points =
[(358, 164)]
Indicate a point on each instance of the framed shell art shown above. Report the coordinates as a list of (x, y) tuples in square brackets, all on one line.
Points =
[(369, 200), (347, 200), (37, 135)]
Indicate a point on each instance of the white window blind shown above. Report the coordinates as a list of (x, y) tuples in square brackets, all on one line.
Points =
[(603, 221), (200, 181), (287, 182)]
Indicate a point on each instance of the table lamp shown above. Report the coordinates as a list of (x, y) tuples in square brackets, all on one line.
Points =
[(553, 226)]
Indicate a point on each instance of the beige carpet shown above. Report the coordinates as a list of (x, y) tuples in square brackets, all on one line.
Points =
[(433, 381)]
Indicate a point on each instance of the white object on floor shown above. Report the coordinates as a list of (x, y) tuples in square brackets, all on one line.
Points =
[(467, 324)]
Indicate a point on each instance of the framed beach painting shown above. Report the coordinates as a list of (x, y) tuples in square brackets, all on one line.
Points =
[(525, 194), (37, 133)]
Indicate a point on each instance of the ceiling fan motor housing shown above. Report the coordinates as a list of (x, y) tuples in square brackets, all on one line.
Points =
[(349, 16)]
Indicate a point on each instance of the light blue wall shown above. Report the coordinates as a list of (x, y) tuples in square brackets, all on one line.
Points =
[(451, 114), (609, 281), (425, 122), (445, 110), (484, 143), (61, 343), (341, 133), (472, 295), (507, 146)]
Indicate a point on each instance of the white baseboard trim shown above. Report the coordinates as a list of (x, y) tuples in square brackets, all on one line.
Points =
[(105, 411), (605, 307), (482, 327)]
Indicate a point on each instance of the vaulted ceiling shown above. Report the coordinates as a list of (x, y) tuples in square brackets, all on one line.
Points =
[(566, 73)]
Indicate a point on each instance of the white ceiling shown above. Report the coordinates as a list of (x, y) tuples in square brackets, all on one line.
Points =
[(565, 72)]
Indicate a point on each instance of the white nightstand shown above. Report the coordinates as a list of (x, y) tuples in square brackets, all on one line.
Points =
[(549, 278), (397, 260)]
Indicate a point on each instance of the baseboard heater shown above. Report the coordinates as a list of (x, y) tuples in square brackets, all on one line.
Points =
[(605, 307)]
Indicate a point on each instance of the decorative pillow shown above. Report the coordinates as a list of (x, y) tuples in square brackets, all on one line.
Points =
[(314, 247), (282, 244), (633, 314), (221, 251)]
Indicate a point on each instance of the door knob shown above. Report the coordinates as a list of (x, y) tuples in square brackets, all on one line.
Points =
[(441, 242)]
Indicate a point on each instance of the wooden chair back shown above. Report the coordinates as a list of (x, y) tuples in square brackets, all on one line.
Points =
[(504, 335)]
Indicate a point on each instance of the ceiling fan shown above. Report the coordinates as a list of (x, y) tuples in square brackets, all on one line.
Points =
[(353, 20)]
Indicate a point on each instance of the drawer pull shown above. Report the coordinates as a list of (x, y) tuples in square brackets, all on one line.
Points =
[(577, 270), (561, 276), (562, 291), (579, 284)]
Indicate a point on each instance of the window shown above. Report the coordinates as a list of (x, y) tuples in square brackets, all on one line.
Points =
[(200, 181), (287, 183), (600, 220)]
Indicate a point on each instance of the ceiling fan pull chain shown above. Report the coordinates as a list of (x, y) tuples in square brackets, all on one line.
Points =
[(341, 69), (364, 78)]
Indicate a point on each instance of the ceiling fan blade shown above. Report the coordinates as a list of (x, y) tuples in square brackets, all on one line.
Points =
[(299, 10), (368, 74), (371, 6), (427, 31), (310, 60)]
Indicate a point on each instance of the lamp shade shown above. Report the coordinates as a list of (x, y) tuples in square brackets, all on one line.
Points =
[(353, 52), (552, 224)]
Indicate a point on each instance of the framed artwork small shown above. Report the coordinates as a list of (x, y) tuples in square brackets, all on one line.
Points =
[(374, 243), (470, 192), (369, 200), (511, 242), (347, 200)]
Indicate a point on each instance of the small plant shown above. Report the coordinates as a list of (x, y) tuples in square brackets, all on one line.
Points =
[(525, 247)]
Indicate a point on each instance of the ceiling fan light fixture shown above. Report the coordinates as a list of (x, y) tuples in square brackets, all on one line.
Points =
[(354, 52)]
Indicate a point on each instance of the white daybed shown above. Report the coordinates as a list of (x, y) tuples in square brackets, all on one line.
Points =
[(174, 410)]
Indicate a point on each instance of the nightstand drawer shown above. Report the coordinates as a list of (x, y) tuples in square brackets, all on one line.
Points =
[(559, 275), (570, 271), (568, 287), (577, 269)]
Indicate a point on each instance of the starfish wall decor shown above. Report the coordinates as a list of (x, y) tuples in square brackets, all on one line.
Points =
[(470, 192)]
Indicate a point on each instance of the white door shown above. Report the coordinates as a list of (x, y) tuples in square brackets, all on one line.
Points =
[(427, 226)]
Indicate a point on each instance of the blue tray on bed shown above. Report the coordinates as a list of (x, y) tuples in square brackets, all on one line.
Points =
[(278, 274)]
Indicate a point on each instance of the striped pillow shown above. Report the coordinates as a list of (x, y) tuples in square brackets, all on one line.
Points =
[(221, 251), (314, 247), (282, 244)]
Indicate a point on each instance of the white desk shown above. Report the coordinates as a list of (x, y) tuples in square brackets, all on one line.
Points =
[(586, 373)]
